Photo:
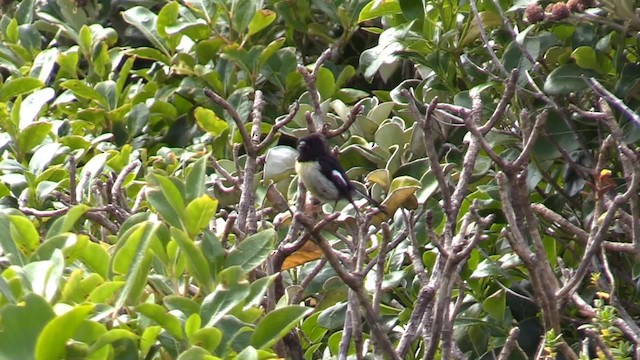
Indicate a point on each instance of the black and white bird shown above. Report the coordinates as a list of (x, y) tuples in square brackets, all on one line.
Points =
[(321, 172)]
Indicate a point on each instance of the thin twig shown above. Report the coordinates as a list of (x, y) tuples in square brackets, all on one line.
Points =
[(246, 139)]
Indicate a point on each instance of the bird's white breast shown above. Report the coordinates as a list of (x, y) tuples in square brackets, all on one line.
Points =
[(319, 185)]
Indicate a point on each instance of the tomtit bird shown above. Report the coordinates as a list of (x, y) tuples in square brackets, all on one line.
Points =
[(321, 173)]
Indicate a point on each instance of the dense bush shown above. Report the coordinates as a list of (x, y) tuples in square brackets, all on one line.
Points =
[(150, 209)]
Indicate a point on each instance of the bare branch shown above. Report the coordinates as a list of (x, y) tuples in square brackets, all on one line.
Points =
[(293, 110), (246, 138)]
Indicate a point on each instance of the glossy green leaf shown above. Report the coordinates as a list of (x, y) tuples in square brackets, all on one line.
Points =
[(195, 179), (279, 163), (51, 342), (277, 324), (24, 233), (33, 135), (67, 221), (150, 54), (160, 315), (105, 292), (258, 290), (20, 326), (167, 16), (586, 58), (496, 305), (196, 263), (72, 245), (133, 259), (112, 336), (18, 86), (252, 251), (25, 11), (566, 79), (376, 9), (325, 83), (210, 122), (233, 289), (45, 275), (199, 213), (81, 90), (33, 104), (261, 19), (146, 22), (208, 338), (196, 353), (167, 199), (10, 246)]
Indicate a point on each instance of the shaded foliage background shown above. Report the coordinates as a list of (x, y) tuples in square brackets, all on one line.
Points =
[(149, 206)]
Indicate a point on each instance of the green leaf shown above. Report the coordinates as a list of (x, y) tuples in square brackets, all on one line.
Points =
[(232, 290), (93, 168), (10, 247), (586, 58), (270, 50), (81, 90), (242, 12), (376, 9), (33, 104), (105, 292), (252, 251), (496, 305), (150, 54), (167, 16), (32, 136), (208, 338), (566, 79), (85, 40), (550, 247), (196, 262), (53, 339), (24, 233), (249, 353), (196, 353), (276, 324), (185, 305), (199, 213), (167, 199), (279, 163), (45, 276), (133, 258), (146, 21), (258, 289), (65, 223), (193, 324), (148, 339), (112, 336), (20, 326), (160, 315), (261, 19), (195, 180), (25, 11), (210, 122), (326, 83), (71, 244), (18, 86)]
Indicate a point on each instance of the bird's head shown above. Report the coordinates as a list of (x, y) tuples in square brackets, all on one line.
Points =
[(312, 147)]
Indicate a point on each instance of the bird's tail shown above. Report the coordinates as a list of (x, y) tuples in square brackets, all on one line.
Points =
[(366, 196)]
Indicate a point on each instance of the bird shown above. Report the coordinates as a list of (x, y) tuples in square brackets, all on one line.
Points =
[(321, 172)]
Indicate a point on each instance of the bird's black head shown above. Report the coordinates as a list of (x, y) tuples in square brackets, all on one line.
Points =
[(312, 147)]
